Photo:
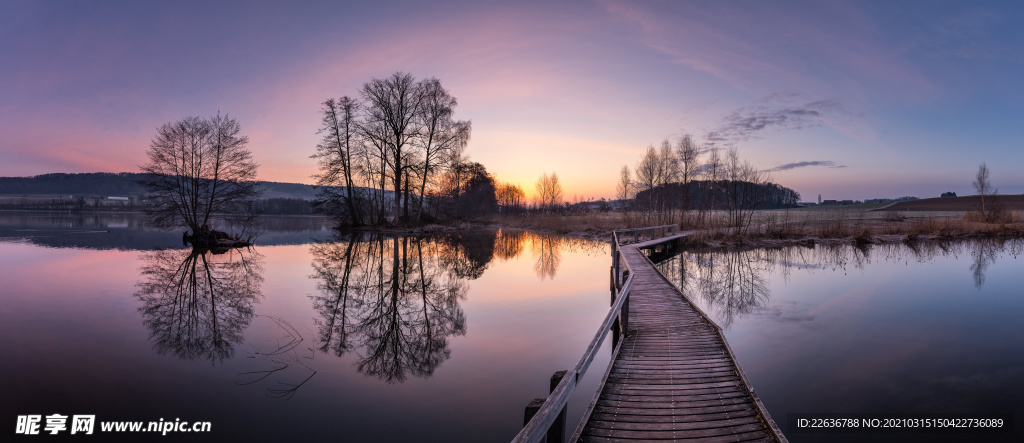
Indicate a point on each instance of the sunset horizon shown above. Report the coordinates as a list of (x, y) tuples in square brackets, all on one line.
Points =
[(847, 100)]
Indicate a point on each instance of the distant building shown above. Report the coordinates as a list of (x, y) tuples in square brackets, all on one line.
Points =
[(829, 202)]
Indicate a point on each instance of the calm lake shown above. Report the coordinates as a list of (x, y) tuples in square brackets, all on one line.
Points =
[(313, 334), (924, 328)]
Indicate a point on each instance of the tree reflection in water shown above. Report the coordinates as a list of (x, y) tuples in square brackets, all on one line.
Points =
[(734, 283), (196, 303), (397, 299), (984, 253), (545, 248)]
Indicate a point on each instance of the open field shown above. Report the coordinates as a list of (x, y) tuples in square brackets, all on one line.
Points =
[(967, 203)]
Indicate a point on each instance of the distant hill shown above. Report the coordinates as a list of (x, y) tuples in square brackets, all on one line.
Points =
[(966, 203), (118, 184)]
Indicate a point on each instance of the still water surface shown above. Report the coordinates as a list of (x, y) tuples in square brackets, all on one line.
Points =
[(314, 334), (924, 328), (311, 334)]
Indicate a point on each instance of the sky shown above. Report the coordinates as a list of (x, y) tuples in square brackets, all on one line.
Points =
[(849, 100)]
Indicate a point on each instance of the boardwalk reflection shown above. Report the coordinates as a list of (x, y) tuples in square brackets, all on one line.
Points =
[(734, 284), (196, 304)]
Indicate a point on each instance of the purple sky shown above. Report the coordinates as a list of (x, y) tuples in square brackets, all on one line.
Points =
[(848, 100)]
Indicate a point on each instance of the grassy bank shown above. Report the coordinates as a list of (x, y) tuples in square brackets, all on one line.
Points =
[(856, 224)]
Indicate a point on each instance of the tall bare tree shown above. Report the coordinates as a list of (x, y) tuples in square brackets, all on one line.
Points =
[(337, 155), (712, 174), (555, 198), (549, 191), (624, 189), (649, 174), (441, 137), (200, 170), (688, 156), (393, 105), (381, 155)]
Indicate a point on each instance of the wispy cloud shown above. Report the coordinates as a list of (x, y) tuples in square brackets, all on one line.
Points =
[(817, 47), (777, 111), (788, 166)]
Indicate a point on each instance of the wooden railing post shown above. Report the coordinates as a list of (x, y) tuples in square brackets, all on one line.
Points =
[(615, 324), (617, 257), (624, 315), (611, 279), (531, 409), (624, 322), (556, 433)]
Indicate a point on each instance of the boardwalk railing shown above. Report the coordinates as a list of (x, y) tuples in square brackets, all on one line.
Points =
[(642, 234), (536, 429)]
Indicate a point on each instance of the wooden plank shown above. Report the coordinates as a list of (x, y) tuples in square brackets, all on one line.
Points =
[(667, 435), (673, 376), (674, 372), (705, 400), (664, 380), (668, 364), (756, 436), (693, 414), (708, 423)]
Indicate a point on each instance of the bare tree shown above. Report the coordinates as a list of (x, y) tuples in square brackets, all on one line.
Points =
[(441, 137), (744, 189), (393, 142), (200, 170), (549, 191), (649, 175), (688, 156), (337, 154), (510, 197), (393, 105), (983, 186), (556, 190), (713, 182), (668, 165)]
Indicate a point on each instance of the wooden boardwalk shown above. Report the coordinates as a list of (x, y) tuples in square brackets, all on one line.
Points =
[(673, 376)]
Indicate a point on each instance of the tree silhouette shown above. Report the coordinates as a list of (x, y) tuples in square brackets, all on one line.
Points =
[(200, 170)]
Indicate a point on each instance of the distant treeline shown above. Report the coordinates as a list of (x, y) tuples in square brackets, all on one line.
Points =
[(93, 183), (268, 206), (91, 191), (284, 206), (122, 184), (713, 195)]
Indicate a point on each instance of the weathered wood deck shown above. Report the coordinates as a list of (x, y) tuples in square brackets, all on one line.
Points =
[(673, 376)]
